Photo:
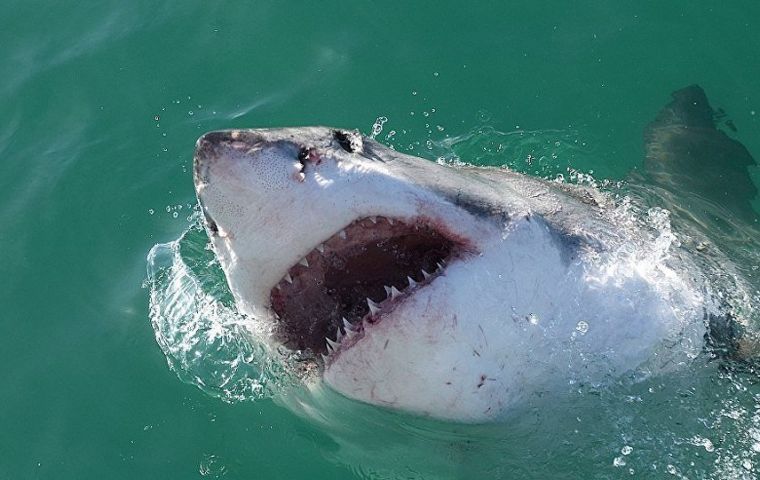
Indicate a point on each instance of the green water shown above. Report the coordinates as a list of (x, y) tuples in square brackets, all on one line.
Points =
[(100, 106)]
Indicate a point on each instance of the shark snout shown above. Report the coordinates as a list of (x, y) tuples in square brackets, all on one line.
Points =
[(233, 154), (220, 143)]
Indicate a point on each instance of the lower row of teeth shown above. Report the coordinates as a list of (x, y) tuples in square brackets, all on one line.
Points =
[(349, 330)]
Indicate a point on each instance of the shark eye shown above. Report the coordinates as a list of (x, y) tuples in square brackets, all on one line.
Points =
[(349, 141), (210, 223)]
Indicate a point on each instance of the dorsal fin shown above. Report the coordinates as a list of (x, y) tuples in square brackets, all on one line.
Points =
[(688, 155)]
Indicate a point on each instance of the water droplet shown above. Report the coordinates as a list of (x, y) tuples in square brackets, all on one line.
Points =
[(211, 465), (377, 127), (582, 327), (619, 462), (703, 442), (151, 211)]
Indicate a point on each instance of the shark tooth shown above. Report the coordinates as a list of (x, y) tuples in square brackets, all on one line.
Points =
[(342, 234), (373, 307), (331, 344), (373, 219), (304, 262), (288, 278), (390, 220), (412, 283), (347, 326), (395, 293), (426, 275), (321, 248), (440, 265), (387, 289)]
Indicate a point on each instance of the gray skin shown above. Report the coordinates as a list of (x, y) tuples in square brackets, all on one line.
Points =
[(270, 197)]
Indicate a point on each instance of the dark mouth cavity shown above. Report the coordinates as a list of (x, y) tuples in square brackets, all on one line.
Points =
[(354, 277)]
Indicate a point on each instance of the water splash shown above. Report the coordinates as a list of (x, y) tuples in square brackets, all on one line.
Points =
[(377, 127), (205, 341)]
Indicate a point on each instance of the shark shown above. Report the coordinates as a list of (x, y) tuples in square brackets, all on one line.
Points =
[(458, 292)]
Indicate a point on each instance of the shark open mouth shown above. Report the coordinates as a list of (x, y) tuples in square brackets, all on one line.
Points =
[(357, 275)]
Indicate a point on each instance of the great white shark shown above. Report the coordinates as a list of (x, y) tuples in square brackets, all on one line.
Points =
[(453, 291)]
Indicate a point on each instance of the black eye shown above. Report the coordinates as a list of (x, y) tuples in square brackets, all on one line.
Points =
[(211, 225), (303, 155), (348, 141)]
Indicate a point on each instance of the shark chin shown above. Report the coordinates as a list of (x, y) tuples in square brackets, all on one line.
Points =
[(450, 292)]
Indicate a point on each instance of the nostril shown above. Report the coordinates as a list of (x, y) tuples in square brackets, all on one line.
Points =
[(303, 155), (213, 228), (309, 155)]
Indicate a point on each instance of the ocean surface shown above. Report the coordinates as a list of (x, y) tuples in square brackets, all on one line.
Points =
[(100, 107)]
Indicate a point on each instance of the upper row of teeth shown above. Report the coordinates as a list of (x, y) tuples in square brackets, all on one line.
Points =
[(389, 290), (321, 248)]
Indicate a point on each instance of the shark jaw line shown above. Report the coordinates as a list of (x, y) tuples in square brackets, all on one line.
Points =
[(356, 277)]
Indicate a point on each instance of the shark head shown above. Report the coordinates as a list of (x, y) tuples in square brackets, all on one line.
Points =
[(441, 291), (312, 226)]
